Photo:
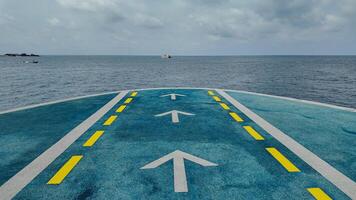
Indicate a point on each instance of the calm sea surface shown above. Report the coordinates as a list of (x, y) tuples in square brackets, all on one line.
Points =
[(328, 79)]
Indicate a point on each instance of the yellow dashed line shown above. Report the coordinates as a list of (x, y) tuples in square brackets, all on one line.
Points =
[(216, 98), (133, 94), (121, 108), (65, 170), (74, 160), (128, 100), (319, 194), (91, 141), (224, 106), (211, 93), (289, 166), (236, 117), (110, 120), (253, 133)]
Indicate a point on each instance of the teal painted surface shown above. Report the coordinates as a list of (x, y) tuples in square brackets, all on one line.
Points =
[(25, 134), (329, 133), (111, 168)]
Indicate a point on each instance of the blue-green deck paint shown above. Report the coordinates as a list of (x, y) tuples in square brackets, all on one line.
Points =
[(327, 132), (25, 134), (111, 168)]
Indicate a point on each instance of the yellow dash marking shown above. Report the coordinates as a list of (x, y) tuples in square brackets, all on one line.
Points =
[(211, 93), (289, 166), (121, 108), (110, 120), (236, 117), (91, 141), (224, 106), (253, 133), (216, 98), (133, 94), (64, 170), (128, 100), (319, 194)]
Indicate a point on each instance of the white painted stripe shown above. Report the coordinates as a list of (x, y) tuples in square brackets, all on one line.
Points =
[(182, 88), (341, 181), (174, 113), (180, 178), (16, 183), (298, 100), (54, 102)]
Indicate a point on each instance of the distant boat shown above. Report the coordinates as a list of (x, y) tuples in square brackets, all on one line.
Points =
[(33, 61), (165, 56)]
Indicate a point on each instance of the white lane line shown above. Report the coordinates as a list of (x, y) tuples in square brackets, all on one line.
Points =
[(16, 183), (341, 181)]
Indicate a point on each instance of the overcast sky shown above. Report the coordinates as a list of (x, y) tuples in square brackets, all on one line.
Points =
[(185, 27)]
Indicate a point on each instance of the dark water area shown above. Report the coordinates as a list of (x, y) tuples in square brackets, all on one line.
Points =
[(327, 79)]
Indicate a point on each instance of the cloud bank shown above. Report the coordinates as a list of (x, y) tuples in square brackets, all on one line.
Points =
[(201, 27)]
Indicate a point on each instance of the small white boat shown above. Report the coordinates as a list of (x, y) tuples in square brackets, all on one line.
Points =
[(166, 56), (33, 61)]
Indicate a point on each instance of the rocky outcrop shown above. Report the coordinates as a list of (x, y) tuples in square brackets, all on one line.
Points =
[(22, 54)]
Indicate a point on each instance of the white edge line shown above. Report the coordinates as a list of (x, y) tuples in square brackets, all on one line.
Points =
[(341, 181), (56, 101), (298, 100), (17, 182), (167, 88)]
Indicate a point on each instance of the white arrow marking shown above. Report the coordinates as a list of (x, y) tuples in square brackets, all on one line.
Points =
[(180, 179), (174, 113), (173, 96)]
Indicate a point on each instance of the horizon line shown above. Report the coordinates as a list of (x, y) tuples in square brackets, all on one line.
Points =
[(192, 55)]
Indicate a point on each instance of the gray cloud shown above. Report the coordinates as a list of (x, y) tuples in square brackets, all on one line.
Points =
[(148, 21), (5, 19), (88, 5), (178, 26)]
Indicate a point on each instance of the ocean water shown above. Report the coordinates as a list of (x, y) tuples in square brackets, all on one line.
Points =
[(327, 79)]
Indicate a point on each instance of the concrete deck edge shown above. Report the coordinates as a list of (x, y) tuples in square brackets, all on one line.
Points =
[(167, 88)]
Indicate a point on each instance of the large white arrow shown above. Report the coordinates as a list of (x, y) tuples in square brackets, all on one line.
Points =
[(173, 96), (180, 179), (174, 113)]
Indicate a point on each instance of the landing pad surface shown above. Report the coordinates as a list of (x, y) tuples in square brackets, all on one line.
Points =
[(178, 144)]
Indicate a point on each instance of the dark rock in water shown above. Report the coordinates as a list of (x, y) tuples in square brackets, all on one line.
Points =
[(22, 54), (11, 54)]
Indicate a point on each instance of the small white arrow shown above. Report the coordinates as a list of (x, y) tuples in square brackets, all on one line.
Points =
[(180, 179), (174, 113), (173, 96)]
